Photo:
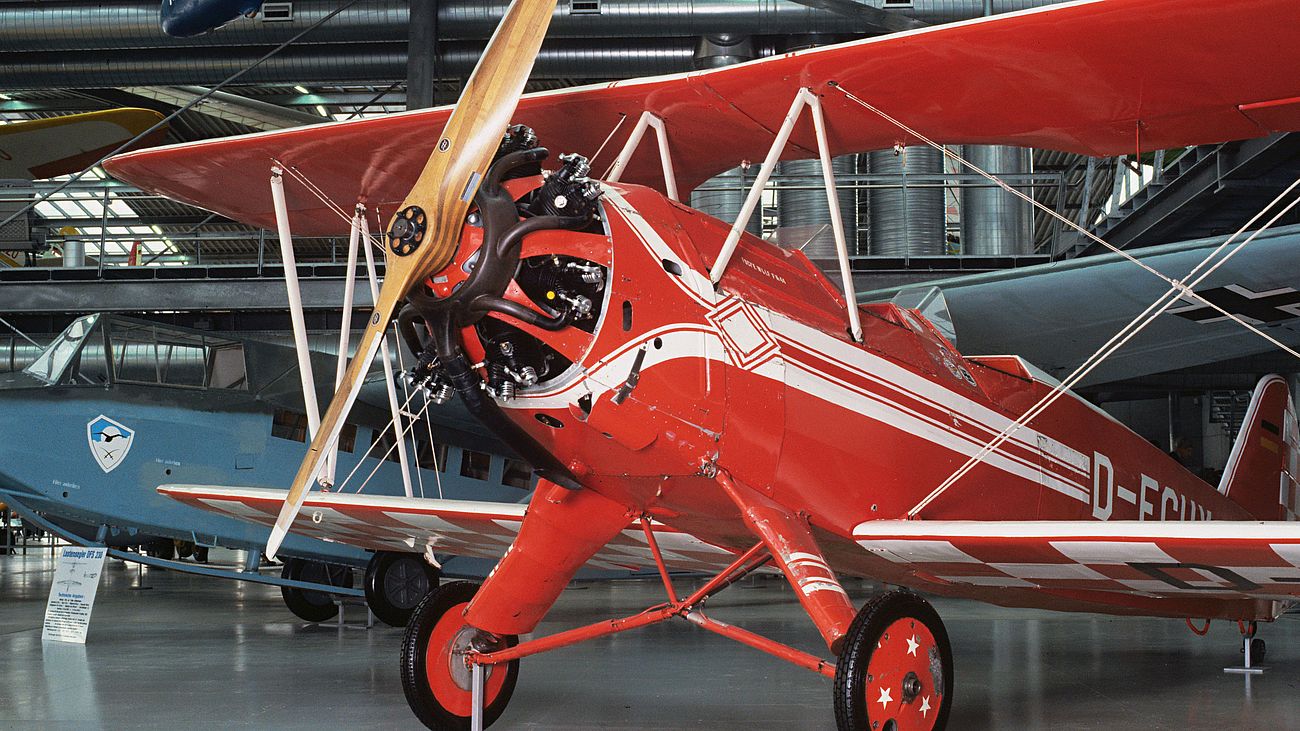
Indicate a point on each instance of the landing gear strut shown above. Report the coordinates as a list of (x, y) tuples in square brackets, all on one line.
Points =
[(895, 671), (1253, 650)]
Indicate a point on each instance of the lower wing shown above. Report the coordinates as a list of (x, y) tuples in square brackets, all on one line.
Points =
[(457, 527)]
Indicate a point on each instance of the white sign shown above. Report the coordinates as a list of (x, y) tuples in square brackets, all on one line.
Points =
[(109, 442), (72, 595)]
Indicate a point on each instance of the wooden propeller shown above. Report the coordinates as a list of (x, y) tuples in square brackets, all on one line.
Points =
[(424, 232)]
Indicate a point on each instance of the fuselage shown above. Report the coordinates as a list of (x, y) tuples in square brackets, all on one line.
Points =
[(213, 436), (761, 377)]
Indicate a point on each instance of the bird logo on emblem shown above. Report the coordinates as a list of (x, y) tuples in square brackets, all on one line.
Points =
[(109, 442)]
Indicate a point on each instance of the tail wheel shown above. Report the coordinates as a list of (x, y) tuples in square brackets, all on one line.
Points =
[(395, 584), (313, 606), (435, 678), (895, 673)]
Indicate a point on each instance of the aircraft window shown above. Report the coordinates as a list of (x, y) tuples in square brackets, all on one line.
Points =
[(226, 367), (517, 474), (146, 353), (292, 425), (289, 425), (475, 465), (381, 445), (53, 361), (430, 456)]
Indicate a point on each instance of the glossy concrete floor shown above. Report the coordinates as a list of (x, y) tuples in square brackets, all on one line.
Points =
[(199, 653)]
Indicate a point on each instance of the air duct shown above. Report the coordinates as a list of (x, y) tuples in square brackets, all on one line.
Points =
[(327, 64), (81, 25), (906, 220), (993, 221)]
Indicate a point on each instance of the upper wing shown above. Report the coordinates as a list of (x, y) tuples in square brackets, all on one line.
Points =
[(458, 527), (1218, 559), (46, 148), (1056, 315), (1097, 77)]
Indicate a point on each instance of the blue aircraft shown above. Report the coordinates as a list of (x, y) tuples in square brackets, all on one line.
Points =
[(115, 407), (185, 18)]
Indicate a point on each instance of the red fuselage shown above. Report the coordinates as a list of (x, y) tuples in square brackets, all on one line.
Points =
[(760, 377)]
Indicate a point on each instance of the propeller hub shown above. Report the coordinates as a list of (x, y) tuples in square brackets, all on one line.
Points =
[(407, 230)]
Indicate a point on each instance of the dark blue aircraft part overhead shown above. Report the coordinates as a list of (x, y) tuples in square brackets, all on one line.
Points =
[(185, 18)]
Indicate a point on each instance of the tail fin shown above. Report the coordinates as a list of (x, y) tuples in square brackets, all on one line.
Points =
[(1261, 474)]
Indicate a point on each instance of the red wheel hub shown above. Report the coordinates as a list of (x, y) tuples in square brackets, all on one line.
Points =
[(904, 675), (445, 669)]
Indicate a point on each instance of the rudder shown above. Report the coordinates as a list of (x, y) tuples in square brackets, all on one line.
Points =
[(1260, 474)]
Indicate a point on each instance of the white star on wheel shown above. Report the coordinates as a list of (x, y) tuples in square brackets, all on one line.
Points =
[(912, 644), (885, 698), (925, 706)]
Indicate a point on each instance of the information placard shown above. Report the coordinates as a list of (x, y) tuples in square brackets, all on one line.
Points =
[(72, 595)]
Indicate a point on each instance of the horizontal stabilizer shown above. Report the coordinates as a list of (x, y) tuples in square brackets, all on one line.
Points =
[(1218, 559)]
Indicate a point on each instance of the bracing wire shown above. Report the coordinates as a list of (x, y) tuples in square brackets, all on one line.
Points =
[(1178, 290)]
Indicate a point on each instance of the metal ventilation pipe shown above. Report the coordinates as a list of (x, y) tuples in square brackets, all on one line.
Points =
[(327, 64), (804, 216), (907, 220), (74, 252), (79, 25), (82, 25), (993, 221), (725, 202)]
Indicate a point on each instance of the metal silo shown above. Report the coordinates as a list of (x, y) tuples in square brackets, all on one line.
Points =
[(993, 221), (801, 204), (906, 219)]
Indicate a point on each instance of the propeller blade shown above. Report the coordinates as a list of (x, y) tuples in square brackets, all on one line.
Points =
[(428, 225)]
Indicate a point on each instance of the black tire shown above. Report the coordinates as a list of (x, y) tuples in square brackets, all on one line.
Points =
[(869, 630), (418, 684), (395, 583), (200, 554), (313, 606), (184, 549), (161, 548)]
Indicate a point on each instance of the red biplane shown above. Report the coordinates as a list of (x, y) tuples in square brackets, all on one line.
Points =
[(693, 396)]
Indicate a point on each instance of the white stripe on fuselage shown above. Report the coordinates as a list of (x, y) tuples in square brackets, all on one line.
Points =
[(700, 340)]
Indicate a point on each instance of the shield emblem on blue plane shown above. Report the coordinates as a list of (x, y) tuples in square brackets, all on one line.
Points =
[(109, 442)]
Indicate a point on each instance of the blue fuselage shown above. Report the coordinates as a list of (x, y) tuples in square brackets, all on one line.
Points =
[(47, 463)]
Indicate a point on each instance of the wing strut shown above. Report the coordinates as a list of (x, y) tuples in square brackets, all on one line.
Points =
[(295, 301), (665, 157), (805, 97)]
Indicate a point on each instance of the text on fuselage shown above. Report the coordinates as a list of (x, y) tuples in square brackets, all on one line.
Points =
[(1152, 500)]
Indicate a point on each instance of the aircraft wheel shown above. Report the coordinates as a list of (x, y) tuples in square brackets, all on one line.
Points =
[(313, 606), (895, 673), (161, 548), (184, 549), (395, 584), (1258, 651), (435, 678), (200, 554)]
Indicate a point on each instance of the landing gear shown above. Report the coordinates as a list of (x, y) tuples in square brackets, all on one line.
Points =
[(161, 548), (1253, 650), (313, 606), (895, 673), (395, 583), (435, 677)]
